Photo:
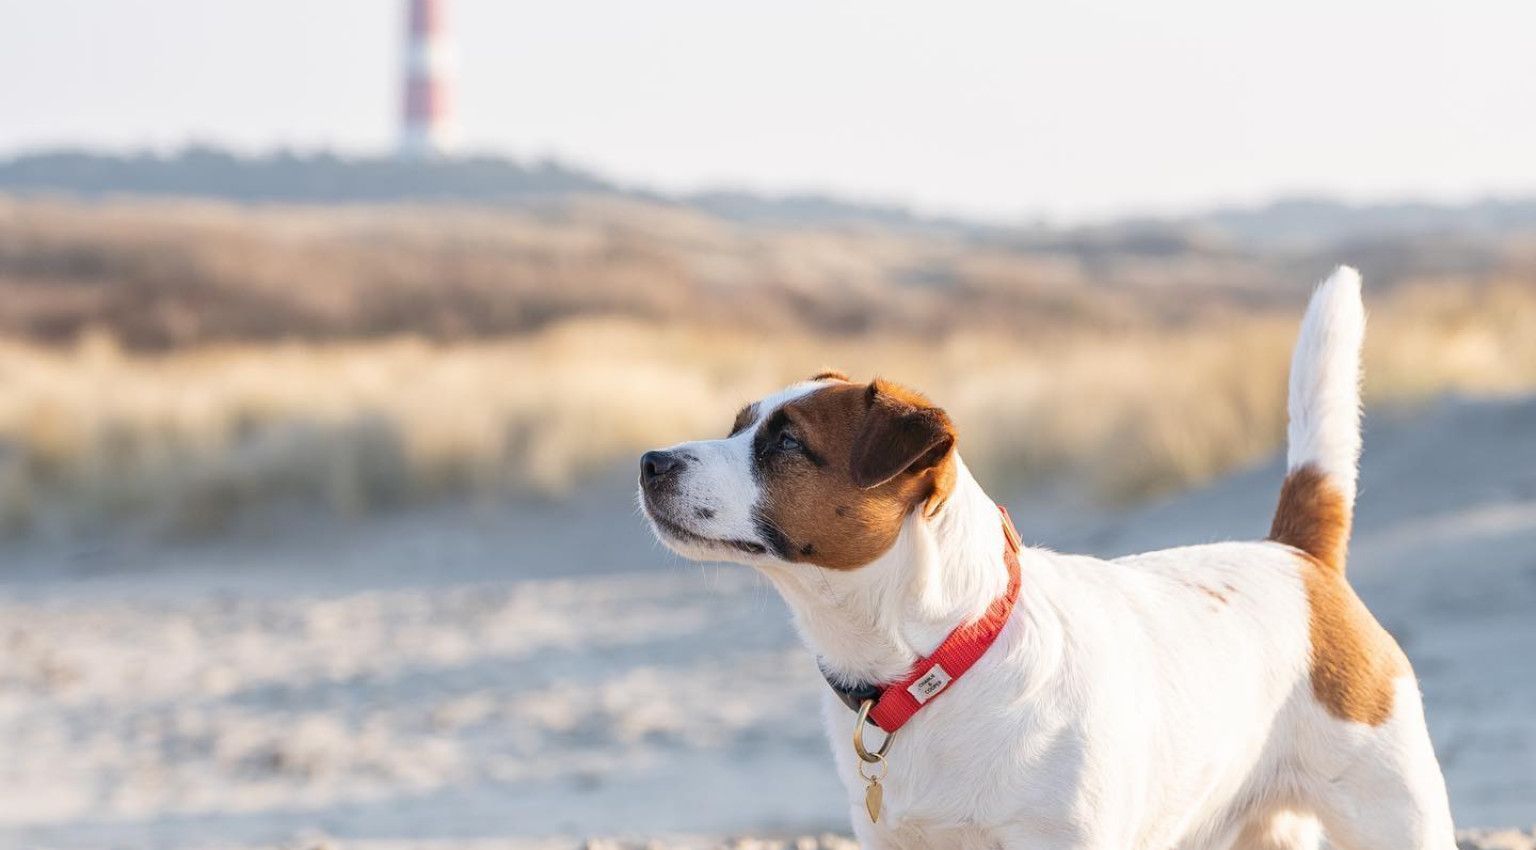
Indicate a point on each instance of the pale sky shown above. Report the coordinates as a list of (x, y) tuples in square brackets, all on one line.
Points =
[(1009, 110)]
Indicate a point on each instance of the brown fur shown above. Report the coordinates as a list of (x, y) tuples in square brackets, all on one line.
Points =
[(1214, 594), (1354, 660), (829, 375), (744, 417), (1313, 516), (879, 452)]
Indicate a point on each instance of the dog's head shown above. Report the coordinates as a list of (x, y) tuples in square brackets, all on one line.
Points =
[(824, 472)]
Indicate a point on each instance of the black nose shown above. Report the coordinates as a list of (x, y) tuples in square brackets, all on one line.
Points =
[(655, 465)]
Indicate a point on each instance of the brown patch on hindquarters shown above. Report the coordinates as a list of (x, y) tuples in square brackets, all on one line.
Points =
[(872, 454), (1313, 516), (1354, 661)]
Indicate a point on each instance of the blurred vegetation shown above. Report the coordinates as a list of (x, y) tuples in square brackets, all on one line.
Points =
[(179, 364)]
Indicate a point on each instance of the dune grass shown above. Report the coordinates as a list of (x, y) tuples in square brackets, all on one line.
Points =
[(187, 440)]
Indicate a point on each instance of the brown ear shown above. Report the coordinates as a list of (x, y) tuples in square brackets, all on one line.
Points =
[(902, 432)]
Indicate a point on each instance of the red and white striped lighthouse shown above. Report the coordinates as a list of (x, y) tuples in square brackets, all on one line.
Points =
[(427, 127)]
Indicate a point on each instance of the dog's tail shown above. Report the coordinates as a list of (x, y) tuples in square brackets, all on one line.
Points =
[(1318, 498)]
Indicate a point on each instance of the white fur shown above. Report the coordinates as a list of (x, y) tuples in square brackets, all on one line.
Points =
[(720, 481), (1124, 706), (1324, 405)]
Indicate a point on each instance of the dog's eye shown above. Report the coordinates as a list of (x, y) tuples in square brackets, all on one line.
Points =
[(788, 443)]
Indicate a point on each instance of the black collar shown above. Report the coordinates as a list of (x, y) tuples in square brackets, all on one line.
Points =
[(854, 696)]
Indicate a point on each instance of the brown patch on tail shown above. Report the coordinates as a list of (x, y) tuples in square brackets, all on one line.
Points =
[(1313, 516), (1354, 661)]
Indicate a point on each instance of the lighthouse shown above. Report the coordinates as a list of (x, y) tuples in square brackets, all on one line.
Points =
[(426, 128)]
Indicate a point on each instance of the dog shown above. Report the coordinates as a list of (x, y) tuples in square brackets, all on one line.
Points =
[(1231, 695)]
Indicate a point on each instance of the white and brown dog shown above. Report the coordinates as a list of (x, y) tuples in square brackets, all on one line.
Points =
[(1234, 695)]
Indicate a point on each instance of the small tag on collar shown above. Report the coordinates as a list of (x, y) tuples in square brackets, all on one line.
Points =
[(929, 686)]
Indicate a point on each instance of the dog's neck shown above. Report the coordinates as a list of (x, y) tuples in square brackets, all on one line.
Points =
[(872, 623)]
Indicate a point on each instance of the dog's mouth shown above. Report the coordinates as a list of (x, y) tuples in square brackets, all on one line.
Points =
[(669, 528)]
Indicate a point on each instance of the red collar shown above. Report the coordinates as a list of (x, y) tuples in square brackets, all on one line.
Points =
[(929, 677)]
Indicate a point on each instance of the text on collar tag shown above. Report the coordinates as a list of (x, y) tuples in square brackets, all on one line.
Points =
[(929, 685)]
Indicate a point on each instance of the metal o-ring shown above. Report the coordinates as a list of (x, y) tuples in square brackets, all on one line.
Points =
[(858, 737)]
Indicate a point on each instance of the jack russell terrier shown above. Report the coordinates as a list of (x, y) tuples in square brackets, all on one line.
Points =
[(1232, 695)]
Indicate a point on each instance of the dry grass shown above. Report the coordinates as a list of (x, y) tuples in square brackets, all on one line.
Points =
[(181, 363), (189, 439)]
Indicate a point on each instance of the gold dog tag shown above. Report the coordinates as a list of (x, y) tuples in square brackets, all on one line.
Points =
[(874, 796)]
